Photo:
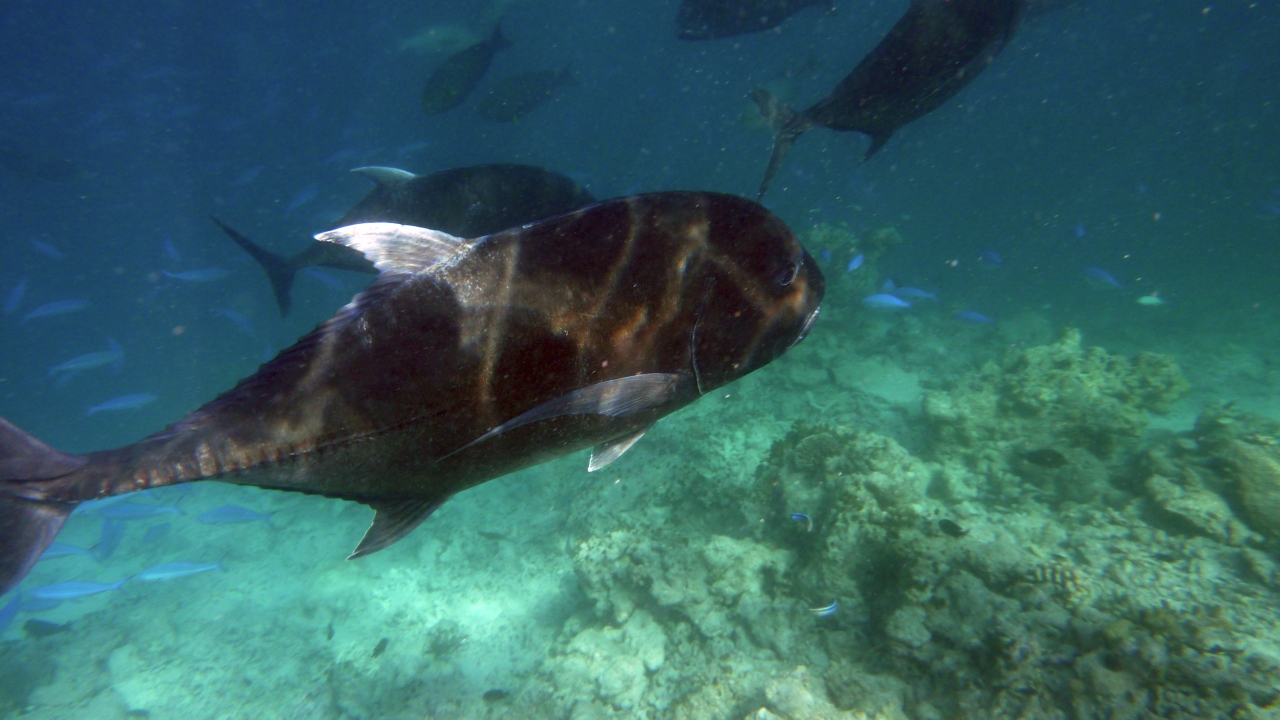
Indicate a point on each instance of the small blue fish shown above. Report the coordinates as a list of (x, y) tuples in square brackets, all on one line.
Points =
[(48, 250), (197, 276), (170, 250), (240, 321), (991, 257), (888, 286), (248, 176), (1079, 231), (232, 515), (173, 570), (9, 612), (124, 402), (114, 356), (855, 263), (60, 549), (109, 539), (325, 279), (134, 511), (303, 197), (61, 307), (885, 301), (801, 517), (1102, 276), (70, 590), (156, 533), (827, 611), (973, 318), (910, 293), (19, 291), (824, 256)]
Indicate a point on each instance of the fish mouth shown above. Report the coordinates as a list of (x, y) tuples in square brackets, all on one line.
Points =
[(808, 325)]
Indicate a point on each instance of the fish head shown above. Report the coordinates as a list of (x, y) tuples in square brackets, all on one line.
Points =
[(763, 292)]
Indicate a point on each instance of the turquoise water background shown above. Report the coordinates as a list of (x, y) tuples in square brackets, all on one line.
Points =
[(1140, 137)]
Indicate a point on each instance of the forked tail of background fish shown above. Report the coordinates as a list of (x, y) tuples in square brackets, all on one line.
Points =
[(787, 125), (280, 270), (29, 520)]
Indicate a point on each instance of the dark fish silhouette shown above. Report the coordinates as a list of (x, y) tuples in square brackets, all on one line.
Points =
[(458, 75), (1045, 458), (515, 96), (711, 19), (30, 164), (466, 360), (467, 202), (933, 51)]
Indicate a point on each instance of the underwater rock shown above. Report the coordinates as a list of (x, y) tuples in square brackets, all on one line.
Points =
[(1060, 395), (1197, 509), (1256, 468)]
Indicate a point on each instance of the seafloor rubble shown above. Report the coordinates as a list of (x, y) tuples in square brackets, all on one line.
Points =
[(1043, 559)]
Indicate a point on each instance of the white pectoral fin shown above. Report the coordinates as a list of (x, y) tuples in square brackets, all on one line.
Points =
[(605, 453), (614, 398), (385, 176), (397, 248)]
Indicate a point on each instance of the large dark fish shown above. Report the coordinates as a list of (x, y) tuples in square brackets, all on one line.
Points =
[(711, 19), (466, 360), (458, 75), (515, 96), (466, 201), (933, 51)]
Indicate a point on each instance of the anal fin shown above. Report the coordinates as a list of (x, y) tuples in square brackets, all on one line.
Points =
[(605, 453), (392, 520)]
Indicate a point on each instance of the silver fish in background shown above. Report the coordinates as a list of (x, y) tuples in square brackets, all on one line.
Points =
[(464, 361), (934, 50), (465, 201)]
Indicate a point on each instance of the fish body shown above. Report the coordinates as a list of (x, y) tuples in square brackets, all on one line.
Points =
[(124, 402), (89, 361), (48, 250), (197, 276), (991, 257), (454, 79), (70, 590), (935, 50), (855, 263), (1102, 277), (515, 96), (15, 296), (60, 550), (911, 293), (1152, 300), (174, 570), (466, 201), (238, 319), (135, 511), (9, 612), (232, 515), (885, 301), (464, 361), (712, 19), (61, 307), (973, 318)]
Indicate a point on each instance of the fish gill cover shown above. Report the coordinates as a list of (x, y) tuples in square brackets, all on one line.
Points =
[(1067, 511)]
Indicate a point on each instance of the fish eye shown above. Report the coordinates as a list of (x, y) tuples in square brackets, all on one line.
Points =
[(788, 274)]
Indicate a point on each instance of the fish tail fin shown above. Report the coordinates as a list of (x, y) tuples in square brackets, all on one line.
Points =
[(498, 40), (28, 522), (278, 268), (787, 125)]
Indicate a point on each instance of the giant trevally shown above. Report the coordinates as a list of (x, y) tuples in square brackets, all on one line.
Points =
[(515, 96), (464, 361), (933, 51), (454, 79), (711, 19), (465, 201)]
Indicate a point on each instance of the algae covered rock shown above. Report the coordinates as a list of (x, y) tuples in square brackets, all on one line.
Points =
[(1061, 394), (1246, 449)]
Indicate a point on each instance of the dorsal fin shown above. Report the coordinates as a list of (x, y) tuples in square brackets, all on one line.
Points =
[(385, 176), (397, 248)]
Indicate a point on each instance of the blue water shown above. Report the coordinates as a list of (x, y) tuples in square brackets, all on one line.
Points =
[(1141, 138)]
